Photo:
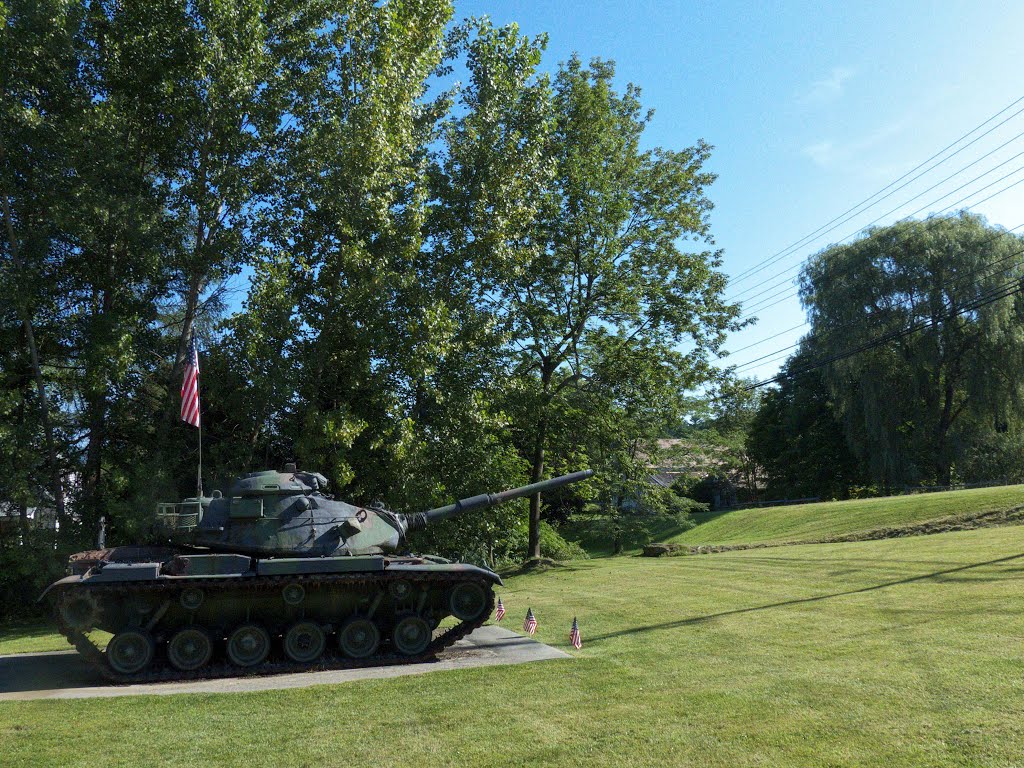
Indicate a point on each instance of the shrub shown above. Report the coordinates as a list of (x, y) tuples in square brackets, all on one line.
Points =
[(27, 567), (684, 506), (554, 546), (699, 489)]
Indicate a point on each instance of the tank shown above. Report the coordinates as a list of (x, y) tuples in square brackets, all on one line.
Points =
[(274, 576)]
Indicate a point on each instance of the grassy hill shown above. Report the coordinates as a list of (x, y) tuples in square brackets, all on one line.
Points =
[(903, 652), (796, 523), (809, 522)]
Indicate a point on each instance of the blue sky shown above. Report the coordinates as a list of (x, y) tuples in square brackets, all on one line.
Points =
[(812, 108)]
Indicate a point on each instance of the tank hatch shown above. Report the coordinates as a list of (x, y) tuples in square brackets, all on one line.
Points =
[(274, 483)]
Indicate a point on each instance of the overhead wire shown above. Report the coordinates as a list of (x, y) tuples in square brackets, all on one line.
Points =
[(873, 200), (907, 202), (788, 293), (863, 205), (986, 272), (1005, 290)]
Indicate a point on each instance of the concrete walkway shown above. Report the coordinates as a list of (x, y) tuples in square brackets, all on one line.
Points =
[(65, 675)]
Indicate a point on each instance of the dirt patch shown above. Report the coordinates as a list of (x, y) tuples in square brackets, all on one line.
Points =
[(1001, 517)]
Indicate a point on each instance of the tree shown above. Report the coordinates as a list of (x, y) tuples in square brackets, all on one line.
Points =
[(797, 440), (910, 405), (716, 433), (574, 233), (341, 245), (42, 93)]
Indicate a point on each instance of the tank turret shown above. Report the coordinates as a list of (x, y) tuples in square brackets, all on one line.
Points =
[(287, 514)]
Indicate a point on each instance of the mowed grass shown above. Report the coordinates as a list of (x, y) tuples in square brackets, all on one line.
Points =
[(30, 636), (904, 652), (804, 522)]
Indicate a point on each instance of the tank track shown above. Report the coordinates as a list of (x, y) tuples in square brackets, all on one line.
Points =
[(160, 670)]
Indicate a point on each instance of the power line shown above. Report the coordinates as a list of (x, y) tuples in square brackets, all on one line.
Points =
[(768, 338), (788, 293), (818, 232), (987, 271), (1001, 292), (906, 202)]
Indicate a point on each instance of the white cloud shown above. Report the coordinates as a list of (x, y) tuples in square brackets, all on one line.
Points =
[(827, 89), (858, 154)]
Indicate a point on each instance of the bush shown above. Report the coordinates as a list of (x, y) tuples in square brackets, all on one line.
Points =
[(683, 506), (865, 492), (554, 546), (27, 567)]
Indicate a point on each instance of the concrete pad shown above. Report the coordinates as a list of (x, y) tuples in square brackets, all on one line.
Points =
[(66, 675)]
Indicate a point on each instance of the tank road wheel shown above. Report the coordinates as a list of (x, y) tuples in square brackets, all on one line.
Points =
[(191, 598), (130, 651), (79, 610), (189, 649), (359, 638), (248, 645), (467, 601), (293, 593), (304, 642), (400, 590), (411, 635)]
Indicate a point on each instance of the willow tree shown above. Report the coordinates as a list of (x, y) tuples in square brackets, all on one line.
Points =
[(934, 308), (586, 246)]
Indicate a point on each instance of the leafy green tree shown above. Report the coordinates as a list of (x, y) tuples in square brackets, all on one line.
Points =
[(342, 244), (41, 93), (909, 406), (798, 441), (715, 435), (574, 233)]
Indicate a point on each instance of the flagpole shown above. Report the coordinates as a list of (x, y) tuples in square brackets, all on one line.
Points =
[(199, 471), (199, 423)]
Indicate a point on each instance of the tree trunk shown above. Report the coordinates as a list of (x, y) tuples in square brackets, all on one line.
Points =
[(56, 476), (92, 474), (203, 234), (943, 468), (191, 306), (536, 475)]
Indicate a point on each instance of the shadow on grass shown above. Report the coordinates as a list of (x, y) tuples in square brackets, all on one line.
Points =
[(595, 534), (817, 598), (533, 568), (706, 517)]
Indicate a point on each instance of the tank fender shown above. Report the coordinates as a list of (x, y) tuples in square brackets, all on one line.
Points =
[(59, 583), (463, 568), (109, 572)]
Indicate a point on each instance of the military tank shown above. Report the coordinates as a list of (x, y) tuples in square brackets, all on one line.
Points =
[(275, 576)]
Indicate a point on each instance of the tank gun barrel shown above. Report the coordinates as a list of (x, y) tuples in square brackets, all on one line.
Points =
[(484, 500)]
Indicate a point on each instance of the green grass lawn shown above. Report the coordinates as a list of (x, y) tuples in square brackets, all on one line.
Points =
[(37, 635), (804, 522), (30, 637), (904, 652)]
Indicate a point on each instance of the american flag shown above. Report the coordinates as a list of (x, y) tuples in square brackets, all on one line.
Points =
[(190, 387), (574, 635), (530, 624), (499, 612)]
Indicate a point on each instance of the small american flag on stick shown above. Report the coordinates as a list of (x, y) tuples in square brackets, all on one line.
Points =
[(530, 624), (499, 612), (190, 387), (574, 635)]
